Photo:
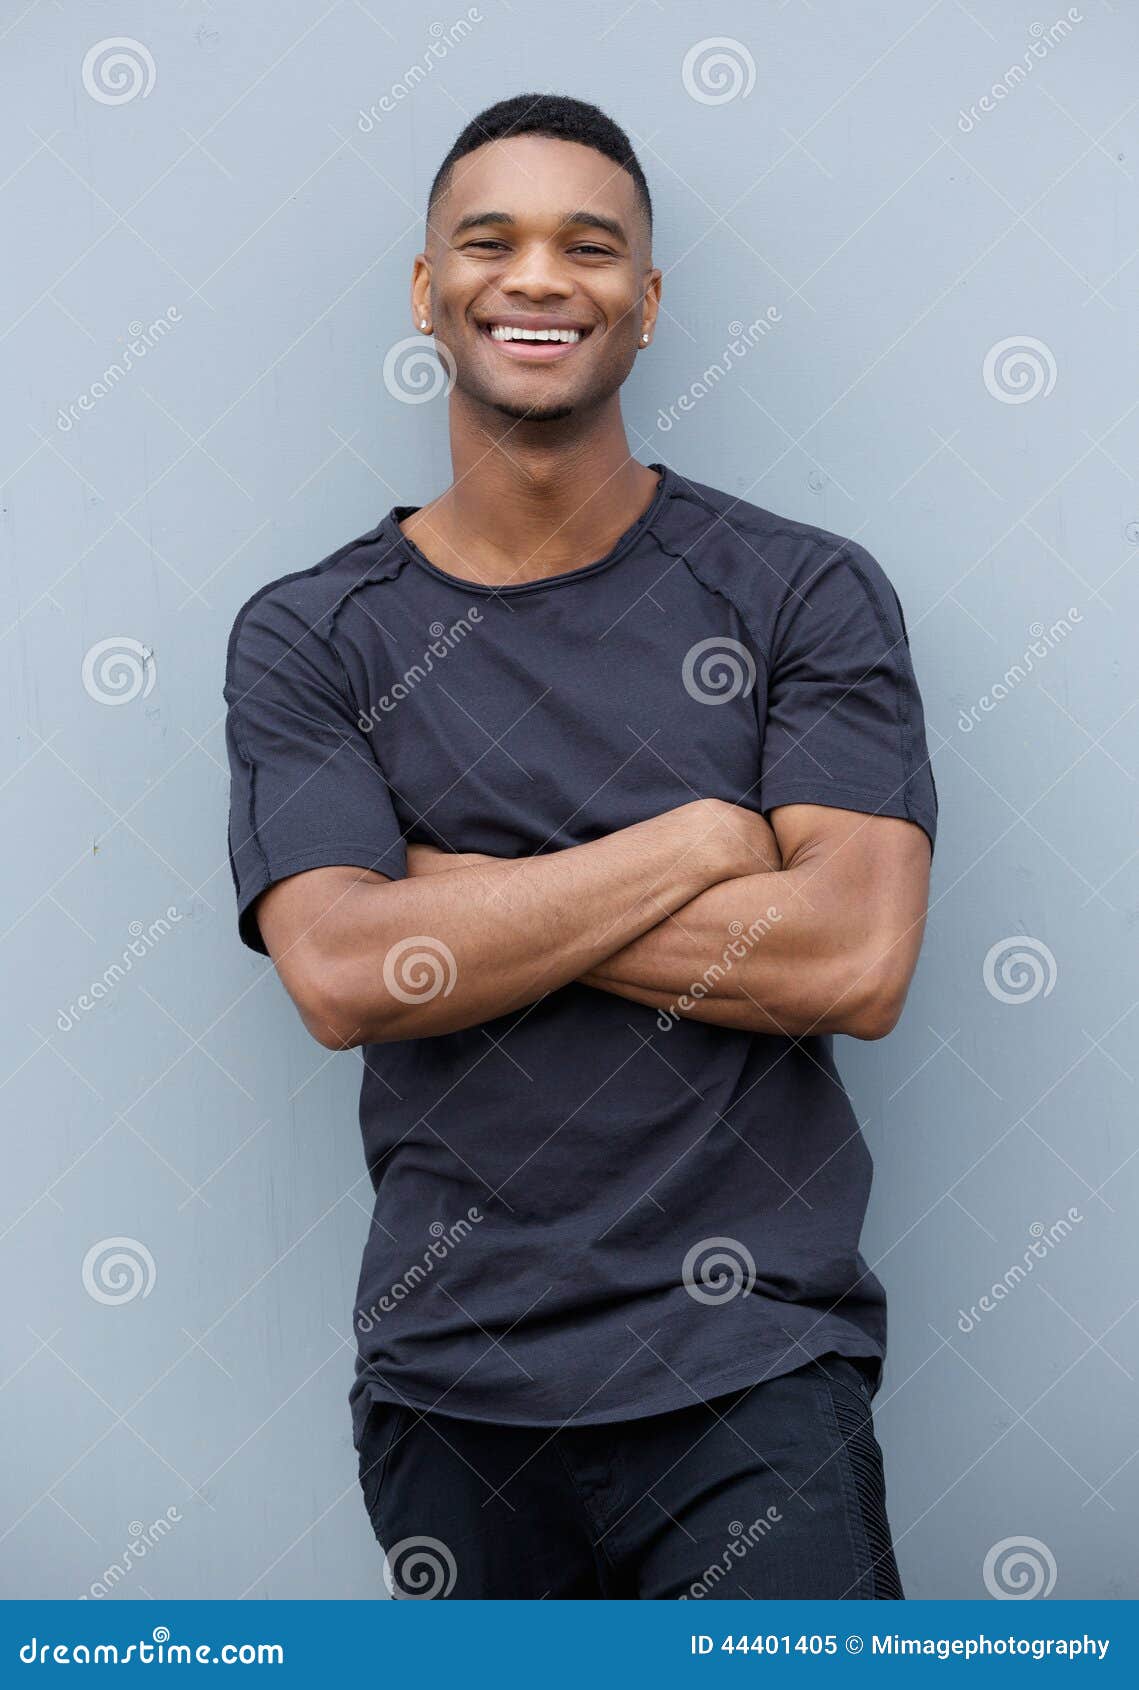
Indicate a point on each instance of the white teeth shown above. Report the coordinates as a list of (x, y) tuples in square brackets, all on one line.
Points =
[(569, 337)]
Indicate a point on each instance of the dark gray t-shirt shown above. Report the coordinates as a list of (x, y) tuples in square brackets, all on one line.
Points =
[(584, 1211)]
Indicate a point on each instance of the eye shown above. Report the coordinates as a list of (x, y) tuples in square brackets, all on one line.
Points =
[(588, 248)]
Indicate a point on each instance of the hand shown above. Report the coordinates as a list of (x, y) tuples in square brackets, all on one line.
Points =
[(429, 859)]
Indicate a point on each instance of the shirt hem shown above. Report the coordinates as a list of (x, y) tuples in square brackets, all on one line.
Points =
[(711, 1385)]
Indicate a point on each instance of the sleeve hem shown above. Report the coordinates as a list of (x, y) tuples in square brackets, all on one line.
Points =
[(833, 795), (389, 859)]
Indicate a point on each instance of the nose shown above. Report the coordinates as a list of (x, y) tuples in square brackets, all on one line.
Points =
[(536, 273)]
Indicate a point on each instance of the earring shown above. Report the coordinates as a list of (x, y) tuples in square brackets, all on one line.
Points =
[(644, 337), (423, 322)]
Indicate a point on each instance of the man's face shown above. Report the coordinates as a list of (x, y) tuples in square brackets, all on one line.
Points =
[(540, 234)]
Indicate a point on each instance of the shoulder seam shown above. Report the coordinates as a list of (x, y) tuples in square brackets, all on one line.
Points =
[(682, 556), (328, 562), (782, 528), (762, 651)]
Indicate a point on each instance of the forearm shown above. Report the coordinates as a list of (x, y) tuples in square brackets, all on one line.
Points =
[(817, 947), (682, 966), (438, 952), (735, 1013), (748, 953)]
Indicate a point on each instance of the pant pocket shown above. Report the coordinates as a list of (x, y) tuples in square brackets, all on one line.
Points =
[(382, 1427), (846, 1373)]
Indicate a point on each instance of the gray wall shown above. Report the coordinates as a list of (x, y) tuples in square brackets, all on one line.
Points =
[(245, 200)]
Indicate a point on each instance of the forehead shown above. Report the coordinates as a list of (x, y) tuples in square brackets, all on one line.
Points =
[(536, 176)]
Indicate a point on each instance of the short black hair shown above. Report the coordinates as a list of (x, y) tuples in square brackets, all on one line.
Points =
[(555, 115)]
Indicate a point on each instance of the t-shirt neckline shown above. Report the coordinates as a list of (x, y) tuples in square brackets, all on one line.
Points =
[(511, 589)]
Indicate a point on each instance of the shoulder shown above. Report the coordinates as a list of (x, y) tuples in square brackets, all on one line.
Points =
[(769, 564), (306, 602)]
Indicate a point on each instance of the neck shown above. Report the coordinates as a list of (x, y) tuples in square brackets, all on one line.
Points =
[(532, 501)]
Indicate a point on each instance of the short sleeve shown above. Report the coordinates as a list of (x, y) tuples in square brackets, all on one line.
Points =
[(306, 790), (845, 725)]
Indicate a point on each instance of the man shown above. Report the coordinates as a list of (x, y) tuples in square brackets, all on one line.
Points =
[(590, 802)]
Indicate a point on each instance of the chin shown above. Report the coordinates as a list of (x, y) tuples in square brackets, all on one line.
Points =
[(534, 413)]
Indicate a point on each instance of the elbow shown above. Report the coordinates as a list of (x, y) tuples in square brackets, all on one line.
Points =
[(329, 1018), (329, 1033), (875, 1004), (875, 1020), (332, 1011), (343, 1011)]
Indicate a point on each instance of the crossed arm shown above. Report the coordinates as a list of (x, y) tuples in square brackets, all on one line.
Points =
[(811, 924)]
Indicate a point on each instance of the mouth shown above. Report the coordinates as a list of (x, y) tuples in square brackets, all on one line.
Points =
[(542, 343)]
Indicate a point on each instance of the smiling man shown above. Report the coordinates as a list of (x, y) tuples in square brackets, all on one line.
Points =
[(590, 802)]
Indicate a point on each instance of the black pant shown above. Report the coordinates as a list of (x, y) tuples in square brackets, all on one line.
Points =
[(775, 1491)]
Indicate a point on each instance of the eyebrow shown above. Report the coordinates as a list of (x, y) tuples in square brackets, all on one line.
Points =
[(578, 219)]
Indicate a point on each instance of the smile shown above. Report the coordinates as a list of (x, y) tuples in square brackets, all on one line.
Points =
[(534, 345)]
